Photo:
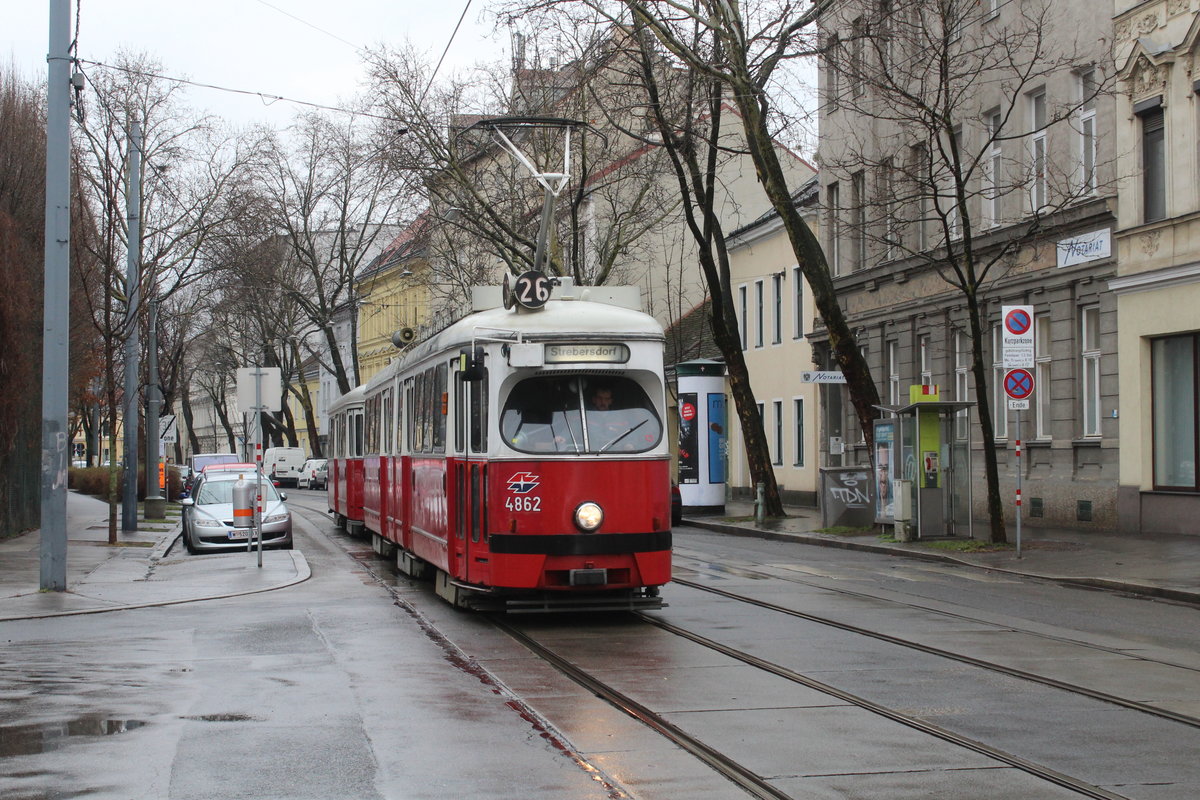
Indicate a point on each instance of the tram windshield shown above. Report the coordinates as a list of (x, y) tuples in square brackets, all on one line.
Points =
[(561, 414)]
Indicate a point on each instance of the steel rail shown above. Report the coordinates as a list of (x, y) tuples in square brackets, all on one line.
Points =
[(1023, 764), (751, 782), (1095, 694)]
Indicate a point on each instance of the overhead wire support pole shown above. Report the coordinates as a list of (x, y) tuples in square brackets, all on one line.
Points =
[(133, 283), (56, 447)]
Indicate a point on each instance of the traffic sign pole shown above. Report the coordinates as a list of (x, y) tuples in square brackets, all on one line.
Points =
[(1019, 471)]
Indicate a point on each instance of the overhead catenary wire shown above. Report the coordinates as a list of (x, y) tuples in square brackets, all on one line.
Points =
[(269, 98)]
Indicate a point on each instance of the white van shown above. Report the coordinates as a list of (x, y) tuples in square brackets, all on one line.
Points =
[(284, 464)]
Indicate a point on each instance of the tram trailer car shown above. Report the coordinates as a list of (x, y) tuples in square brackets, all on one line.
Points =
[(344, 486), (521, 456)]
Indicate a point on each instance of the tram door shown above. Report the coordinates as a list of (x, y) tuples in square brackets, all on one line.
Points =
[(470, 478)]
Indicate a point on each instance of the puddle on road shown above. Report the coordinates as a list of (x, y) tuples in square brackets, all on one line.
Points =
[(25, 740)]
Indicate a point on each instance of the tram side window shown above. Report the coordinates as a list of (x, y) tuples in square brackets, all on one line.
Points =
[(356, 422), (411, 392), (398, 420), (479, 414), (438, 407), (386, 422), (419, 414), (460, 411), (372, 425), (610, 414)]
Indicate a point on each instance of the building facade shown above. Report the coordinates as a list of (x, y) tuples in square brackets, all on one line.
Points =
[(960, 175), (1157, 286), (775, 313)]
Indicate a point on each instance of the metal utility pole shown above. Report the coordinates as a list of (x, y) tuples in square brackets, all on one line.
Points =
[(156, 504), (56, 447), (133, 283)]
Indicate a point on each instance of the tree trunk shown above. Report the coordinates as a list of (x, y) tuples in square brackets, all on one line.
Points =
[(986, 429), (811, 260)]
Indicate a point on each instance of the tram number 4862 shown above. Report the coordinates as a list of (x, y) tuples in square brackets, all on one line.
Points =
[(523, 503)]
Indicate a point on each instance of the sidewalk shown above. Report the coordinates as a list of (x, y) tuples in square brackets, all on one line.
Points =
[(1166, 566), (137, 572)]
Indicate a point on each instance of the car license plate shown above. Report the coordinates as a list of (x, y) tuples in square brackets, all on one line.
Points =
[(241, 533)]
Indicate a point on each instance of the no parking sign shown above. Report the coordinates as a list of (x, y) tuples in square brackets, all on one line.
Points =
[(1017, 337)]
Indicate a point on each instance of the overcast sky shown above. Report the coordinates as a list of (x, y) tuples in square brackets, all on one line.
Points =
[(300, 49)]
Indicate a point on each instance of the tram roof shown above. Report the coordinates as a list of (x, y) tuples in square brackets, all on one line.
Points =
[(352, 397), (558, 319)]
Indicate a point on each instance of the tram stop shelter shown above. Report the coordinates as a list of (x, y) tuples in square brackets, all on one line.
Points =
[(923, 466)]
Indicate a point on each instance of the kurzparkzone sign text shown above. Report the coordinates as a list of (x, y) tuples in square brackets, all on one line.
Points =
[(1016, 336)]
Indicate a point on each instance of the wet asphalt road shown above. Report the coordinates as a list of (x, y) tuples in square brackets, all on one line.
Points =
[(359, 684)]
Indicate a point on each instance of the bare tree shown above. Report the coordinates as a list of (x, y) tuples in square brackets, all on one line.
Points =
[(691, 132), (22, 200), (336, 198), (932, 103), (744, 46), (483, 204), (190, 167)]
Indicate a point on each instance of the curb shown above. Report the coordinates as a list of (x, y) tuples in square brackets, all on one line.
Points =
[(1109, 584)]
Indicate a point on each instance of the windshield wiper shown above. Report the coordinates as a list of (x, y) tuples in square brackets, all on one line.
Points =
[(623, 435)]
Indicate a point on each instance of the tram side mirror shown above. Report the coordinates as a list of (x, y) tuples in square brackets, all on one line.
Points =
[(470, 364)]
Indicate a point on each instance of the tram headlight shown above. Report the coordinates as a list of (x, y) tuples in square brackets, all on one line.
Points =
[(588, 516)]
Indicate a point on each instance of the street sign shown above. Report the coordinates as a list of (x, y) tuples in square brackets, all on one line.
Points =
[(1018, 384), (1017, 336), (169, 430), (828, 376), (1018, 405), (262, 385)]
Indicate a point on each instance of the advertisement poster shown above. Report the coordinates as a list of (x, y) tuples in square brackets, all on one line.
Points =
[(689, 440), (885, 470), (716, 437)]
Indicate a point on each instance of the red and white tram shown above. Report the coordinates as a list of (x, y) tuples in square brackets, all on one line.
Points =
[(521, 455), (344, 486)]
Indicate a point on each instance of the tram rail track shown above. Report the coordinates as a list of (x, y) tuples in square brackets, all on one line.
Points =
[(758, 786), (747, 779), (1095, 694)]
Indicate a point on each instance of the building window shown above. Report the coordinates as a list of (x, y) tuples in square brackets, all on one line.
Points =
[(778, 408), (1154, 165), (893, 372), (962, 381), (798, 444), (1176, 401), (1041, 382), (777, 308), (760, 308), (833, 213), (887, 197), (1089, 338), (991, 171), (1087, 132), (999, 398), (858, 222), (991, 9), (743, 311), (920, 170), (797, 303), (883, 34), (857, 75), (833, 86), (926, 360), (950, 188), (1037, 151)]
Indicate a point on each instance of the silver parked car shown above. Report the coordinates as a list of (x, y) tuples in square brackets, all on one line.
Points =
[(313, 475), (208, 514)]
